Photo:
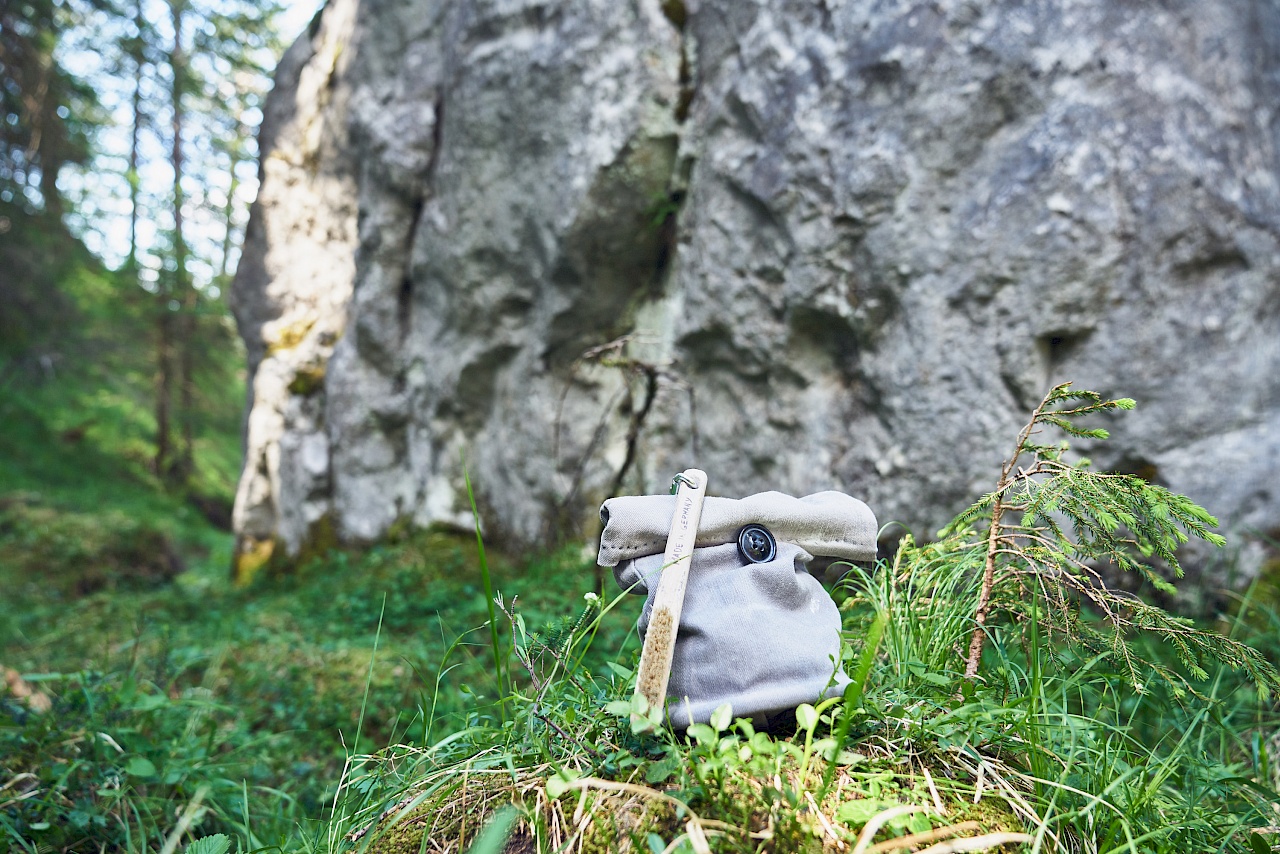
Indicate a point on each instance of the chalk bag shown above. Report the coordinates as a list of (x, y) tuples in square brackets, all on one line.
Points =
[(757, 630)]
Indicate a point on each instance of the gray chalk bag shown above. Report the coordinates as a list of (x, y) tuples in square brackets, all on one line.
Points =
[(757, 631)]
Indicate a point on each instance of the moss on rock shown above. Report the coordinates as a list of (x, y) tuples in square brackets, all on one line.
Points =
[(251, 556), (307, 380), (286, 336)]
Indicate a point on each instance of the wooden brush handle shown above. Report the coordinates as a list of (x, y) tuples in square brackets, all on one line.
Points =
[(668, 601)]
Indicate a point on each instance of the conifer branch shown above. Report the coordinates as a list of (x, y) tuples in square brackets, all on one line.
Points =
[(1072, 521)]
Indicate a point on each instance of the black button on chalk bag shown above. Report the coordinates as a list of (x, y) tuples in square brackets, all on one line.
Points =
[(756, 544)]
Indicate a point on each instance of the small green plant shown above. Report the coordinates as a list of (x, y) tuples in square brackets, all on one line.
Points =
[(1053, 526), (488, 591)]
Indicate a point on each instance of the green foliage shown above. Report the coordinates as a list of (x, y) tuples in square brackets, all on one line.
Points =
[(77, 417), (497, 830), (36, 254), (1097, 762), (216, 844), (726, 784), (1073, 524), (854, 692), (45, 111), (68, 554), (1057, 745), (284, 665), (190, 107), (103, 768), (272, 700), (488, 590)]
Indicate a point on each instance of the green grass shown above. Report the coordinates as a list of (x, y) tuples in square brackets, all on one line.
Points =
[(252, 699), (162, 689), (164, 681), (276, 675), (1087, 721), (77, 424), (370, 701), (1049, 744)]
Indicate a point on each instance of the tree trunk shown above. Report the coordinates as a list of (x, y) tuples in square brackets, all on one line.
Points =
[(164, 383), (229, 209), (187, 392), (979, 636), (1007, 475), (184, 292), (131, 265)]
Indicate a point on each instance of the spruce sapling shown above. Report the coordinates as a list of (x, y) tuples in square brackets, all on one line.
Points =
[(1052, 528)]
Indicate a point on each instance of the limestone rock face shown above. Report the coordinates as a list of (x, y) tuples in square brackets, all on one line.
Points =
[(799, 245)]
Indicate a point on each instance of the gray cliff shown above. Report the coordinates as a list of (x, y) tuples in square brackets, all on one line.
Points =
[(800, 245)]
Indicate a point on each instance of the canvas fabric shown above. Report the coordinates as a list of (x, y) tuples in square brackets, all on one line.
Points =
[(763, 637), (826, 524)]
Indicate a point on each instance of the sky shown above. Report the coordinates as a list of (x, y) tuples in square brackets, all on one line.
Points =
[(299, 14), (101, 188)]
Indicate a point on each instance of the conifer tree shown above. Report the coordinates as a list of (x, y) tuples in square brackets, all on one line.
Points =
[(46, 118), (138, 47), (217, 66), (1053, 529), (44, 107)]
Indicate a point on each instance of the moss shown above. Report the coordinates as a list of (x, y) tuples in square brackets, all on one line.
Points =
[(676, 12), (429, 544), (405, 836), (321, 538), (251, 555), (402, 555), (254, 557), (290, 335), (600, 821), (610, 822), (308, 380), (449, 820), (75, 554), (993, 813), (622, 824), (402, 530)]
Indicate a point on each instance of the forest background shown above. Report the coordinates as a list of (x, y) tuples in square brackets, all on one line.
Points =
[(127, 165), (128, 162)]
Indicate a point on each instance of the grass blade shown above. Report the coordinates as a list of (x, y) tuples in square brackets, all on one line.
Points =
[(496, 831), (853, 695), (488, 593)]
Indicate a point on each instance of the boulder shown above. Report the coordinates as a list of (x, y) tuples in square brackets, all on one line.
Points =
[(576, 248)]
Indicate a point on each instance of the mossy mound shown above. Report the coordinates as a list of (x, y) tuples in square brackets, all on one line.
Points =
[(448, 815), (595, 816), (74, 554)]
